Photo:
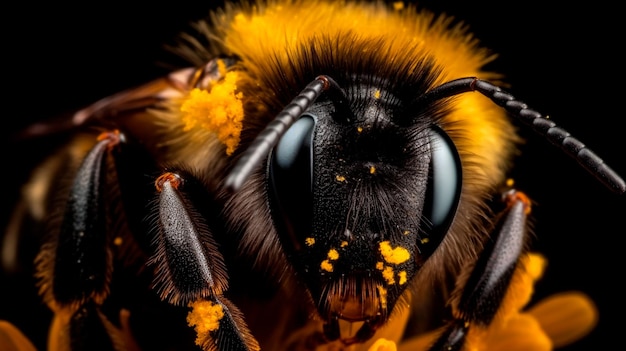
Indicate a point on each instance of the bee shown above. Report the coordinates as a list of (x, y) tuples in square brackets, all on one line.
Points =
[(324, 171)]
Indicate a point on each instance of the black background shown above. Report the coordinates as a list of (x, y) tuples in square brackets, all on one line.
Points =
[(560, 60)]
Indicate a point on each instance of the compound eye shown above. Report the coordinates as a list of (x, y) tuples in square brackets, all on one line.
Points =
[(444, 187), (291, 178), (293, 151)]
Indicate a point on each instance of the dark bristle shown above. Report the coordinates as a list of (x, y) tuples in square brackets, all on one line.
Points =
[(349, 60)]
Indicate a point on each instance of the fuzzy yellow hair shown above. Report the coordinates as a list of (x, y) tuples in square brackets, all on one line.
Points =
[(275, 41)]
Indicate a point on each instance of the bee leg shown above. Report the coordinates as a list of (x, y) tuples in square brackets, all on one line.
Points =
[(190, 269), (219, 322), (85, 329), (490, 278), (75, 266)]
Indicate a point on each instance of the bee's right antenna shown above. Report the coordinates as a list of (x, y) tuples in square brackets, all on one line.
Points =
[(269, 137), (545, 127)]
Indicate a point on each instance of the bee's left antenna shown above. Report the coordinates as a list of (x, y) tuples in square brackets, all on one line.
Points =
[(545, 127)]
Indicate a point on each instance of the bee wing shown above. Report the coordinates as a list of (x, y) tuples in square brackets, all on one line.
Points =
[(12, 339), (123, 108)]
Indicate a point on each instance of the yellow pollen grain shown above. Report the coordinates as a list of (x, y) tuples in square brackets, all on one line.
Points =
[(406, 232), (309, 241), (327, 266), (117, 241), (359, 129), (388, 275), (372, 169), (333, 254), (205, 316), (382, 295), (402, 277), (344, 244), (380, 266), (340, 178), (398, 5), (393, 256), (219, 111), (510, 182), (377, 94), (424, 240)]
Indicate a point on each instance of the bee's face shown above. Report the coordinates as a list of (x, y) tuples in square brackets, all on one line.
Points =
[(352, 195)]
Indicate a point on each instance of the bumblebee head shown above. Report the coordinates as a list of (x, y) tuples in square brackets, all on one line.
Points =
[(361, 194)]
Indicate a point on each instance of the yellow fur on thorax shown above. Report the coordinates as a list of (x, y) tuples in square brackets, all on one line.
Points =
[(266, 37), (281, 26)]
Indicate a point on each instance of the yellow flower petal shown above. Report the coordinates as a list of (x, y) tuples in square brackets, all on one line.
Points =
[(419, 343), (518, 294), (522, 333), (390, 334), (554, 322), (566, 317), (383, 345), (12, 339)]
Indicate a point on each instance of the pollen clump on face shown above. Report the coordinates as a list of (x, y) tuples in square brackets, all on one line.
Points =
[(309, 241), (118, 241), (389, 275), (218, 111), (402, 277), (205, 317), (332, 255), (326, 266), (393, 256)]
